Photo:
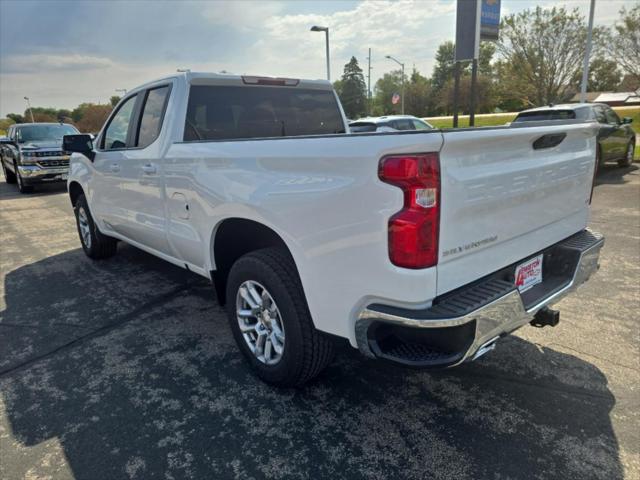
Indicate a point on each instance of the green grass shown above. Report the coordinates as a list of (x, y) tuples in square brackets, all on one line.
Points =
[(636, 157), (490, 120)]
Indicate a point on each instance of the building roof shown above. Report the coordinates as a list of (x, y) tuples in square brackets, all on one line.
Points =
[(610, 97)]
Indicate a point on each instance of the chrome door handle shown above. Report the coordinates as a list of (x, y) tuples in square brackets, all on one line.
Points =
[(115, 168), (149, 168)]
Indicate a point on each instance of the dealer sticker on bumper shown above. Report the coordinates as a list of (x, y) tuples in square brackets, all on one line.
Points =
[(529, 273)]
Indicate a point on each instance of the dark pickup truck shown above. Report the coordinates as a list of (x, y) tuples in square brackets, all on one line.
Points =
[(32, 153), (616, 138)]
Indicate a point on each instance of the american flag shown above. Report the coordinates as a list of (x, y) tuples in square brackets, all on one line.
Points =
[(395, 99)]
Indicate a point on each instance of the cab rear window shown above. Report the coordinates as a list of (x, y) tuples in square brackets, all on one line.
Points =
[(230, 112), (546, 115)]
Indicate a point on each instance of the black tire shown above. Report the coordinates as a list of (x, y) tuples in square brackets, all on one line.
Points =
[(599, 159), (95, 245), (627, 161), (306, 351), (22, 188), (9, 176)]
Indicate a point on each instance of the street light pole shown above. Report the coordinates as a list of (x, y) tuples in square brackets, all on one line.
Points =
[(587, 53), (369, 84), (123, 90), (402, 91), (317, 28), (30, 111)]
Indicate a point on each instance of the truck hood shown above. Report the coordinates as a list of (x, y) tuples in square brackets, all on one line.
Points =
[(41, 145)]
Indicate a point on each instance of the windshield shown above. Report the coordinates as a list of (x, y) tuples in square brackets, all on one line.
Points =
[(39, 133)]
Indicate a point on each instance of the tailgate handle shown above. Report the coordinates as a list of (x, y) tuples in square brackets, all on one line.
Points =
[(549, 141)]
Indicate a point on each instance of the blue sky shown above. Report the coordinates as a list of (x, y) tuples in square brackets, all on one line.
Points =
[(62, 53)]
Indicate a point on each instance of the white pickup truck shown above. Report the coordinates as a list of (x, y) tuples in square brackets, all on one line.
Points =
[(421, 247)]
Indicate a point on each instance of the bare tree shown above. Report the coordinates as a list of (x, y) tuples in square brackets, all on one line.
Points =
[(626, 41), (544, 50)]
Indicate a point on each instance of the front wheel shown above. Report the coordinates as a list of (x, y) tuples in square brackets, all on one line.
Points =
[(21, 185), (270, 320), (94, 243), (9, 176), (628, 158)]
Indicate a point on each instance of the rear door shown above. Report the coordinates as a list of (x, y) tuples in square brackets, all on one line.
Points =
[(502, 200), (140, 203)]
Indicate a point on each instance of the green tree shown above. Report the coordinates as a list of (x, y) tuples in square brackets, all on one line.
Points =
[(337, 86), (5, 123), (114, 100), (626, 41), (93, 117), (444, 69), (485, 101), (604, 76), (390, 83), (543, 49), (353, 90), (419, 100), (16, 117)]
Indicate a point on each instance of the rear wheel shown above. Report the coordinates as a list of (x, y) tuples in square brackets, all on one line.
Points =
[(21, 185), (270, 320), (599, 159), (628, 158), (94, 243), (9, 176)]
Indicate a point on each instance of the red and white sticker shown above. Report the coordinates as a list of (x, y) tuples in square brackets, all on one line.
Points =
[(529, 273)]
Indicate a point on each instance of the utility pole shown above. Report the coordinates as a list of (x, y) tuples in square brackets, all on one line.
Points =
[(369, 83), (456, 90), (30, 111), (472, 103), (587, 53)]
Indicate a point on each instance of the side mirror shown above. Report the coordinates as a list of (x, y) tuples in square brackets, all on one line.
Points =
[(7, 141), (627, 120), (81, 143)]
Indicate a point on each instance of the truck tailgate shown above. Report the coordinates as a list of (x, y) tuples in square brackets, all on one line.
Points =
[(502, 200)]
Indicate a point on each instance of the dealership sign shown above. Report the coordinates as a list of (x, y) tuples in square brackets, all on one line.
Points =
[(475, 20), (490, 20)]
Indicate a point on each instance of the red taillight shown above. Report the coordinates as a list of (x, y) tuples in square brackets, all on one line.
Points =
[(414, 230)]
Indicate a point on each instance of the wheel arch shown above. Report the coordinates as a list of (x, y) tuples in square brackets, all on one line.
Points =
[(234, 237), (75, 190)]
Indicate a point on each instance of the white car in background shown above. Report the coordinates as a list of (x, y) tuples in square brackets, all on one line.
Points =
[(389, 123)]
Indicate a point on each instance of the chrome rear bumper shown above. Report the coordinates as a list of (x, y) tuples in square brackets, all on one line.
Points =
[(478, 314)]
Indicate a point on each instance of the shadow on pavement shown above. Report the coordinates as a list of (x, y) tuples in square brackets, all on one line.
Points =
[(145, 382), (611, 173)]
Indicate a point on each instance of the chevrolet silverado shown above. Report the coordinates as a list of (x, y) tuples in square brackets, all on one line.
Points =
[(422, 247)]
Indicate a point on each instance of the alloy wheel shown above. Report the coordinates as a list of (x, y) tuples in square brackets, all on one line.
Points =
[(260, 322), (85, 230)]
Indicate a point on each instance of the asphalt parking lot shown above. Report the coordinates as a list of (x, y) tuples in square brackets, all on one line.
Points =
[(127, 369)]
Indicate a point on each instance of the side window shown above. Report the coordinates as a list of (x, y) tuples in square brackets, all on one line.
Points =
[(403, 124), (115, 135), (152, 114), (419, 125), (612, 117), (600, 116)]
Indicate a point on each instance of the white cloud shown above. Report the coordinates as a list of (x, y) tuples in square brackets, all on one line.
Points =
[(47, 63), (279, 44)]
